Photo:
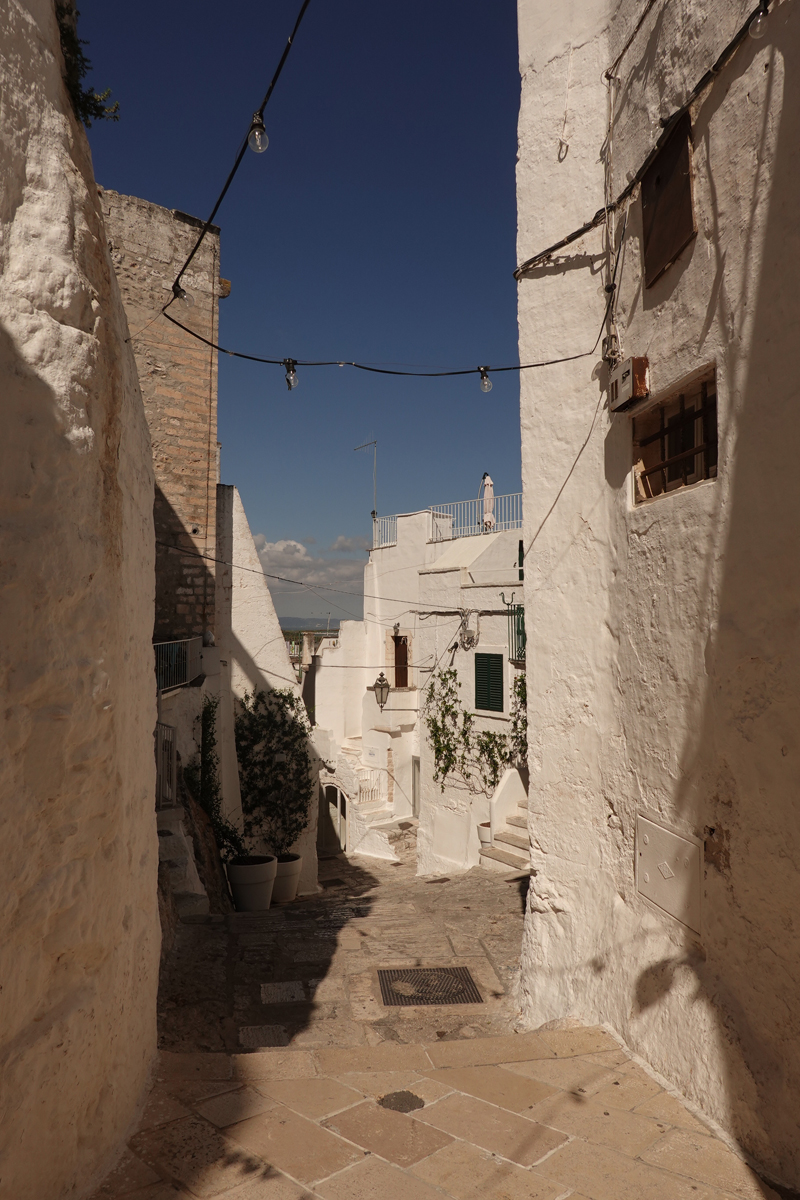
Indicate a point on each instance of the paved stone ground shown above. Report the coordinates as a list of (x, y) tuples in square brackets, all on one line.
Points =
[(306, 974), (366, 1103)]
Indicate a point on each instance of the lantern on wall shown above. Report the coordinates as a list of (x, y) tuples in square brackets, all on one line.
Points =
[(381, 688)]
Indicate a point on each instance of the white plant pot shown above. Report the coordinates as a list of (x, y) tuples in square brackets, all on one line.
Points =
[(251, 879), (287, 878), (485, 833)]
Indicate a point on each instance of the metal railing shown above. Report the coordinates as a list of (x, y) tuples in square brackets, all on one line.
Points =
[(516, 632), (177, 663), (369, 787), (166, 766), (384, 532), (467, 518)]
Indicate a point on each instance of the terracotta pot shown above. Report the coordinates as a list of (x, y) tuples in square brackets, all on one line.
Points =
[(287, 878), (485, 833), (251, 879)]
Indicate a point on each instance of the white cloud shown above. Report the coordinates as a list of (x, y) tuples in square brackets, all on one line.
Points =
[(349, 545), (292, 560)]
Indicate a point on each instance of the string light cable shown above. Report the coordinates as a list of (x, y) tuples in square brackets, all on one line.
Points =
[(755, 26), (290, 365), (256, 138)]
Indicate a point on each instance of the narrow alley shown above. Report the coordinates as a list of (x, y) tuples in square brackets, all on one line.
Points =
[(284, 1076)]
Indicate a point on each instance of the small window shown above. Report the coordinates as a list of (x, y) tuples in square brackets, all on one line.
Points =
[(400, 661), (668, 223), (489, 682), (675, 444)]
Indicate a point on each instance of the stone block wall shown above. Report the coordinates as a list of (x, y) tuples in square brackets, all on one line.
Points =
[(178, 377)]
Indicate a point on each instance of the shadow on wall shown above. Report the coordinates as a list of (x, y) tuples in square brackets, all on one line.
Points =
[(185, 582), (739, 779)]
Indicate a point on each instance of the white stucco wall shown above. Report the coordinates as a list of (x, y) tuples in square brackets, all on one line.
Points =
[(469, 574), (252, 648), (663, 642), (80, 936)]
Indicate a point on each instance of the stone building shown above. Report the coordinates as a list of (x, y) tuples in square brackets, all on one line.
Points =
[(661, 526), (80, 936), (432, 601), (178, 376), (216, 631)]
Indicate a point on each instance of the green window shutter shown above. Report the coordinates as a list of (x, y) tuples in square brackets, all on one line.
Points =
[(489, 682)]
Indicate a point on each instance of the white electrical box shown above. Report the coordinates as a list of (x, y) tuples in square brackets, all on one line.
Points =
[(628, 381), (669, 871)]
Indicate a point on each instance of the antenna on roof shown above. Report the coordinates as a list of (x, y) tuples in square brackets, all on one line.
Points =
[(366, 446)]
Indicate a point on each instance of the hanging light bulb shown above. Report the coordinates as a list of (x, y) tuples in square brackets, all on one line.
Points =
[(184, 298), (257, 138), (758, 25), (486, 383), (291, 375)]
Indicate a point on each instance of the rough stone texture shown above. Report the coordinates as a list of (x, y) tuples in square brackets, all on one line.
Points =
[(663, 643), (178, 376), (80, 937)]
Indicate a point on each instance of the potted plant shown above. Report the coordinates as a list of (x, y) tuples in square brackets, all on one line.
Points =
[(252, 877), (272, 746)]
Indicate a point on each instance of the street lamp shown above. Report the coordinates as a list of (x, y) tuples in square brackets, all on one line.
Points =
[(381, 688)]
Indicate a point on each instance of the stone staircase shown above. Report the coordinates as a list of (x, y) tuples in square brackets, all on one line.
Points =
[(511, 848)]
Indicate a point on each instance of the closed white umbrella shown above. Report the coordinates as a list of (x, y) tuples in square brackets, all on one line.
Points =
[(488, 501)]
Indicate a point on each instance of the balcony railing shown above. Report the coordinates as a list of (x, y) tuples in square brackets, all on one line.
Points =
[(384, 532), (177, 663), (467, 518), (166, 767)]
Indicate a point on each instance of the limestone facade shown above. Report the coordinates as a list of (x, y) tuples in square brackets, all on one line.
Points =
[(663, 644), (178, 376), (79, 945)]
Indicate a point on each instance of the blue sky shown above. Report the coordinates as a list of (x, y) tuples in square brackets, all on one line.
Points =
[(379, 226)]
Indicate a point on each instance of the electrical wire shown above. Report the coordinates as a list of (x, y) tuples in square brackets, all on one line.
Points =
[(298, 362), (242, 149), (601, 215), (299, 582)]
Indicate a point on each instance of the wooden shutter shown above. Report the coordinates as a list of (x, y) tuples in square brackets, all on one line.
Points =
[(400, 661), (668, 223), (489, 682)]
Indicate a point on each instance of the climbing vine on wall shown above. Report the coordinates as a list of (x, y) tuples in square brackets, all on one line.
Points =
[(477, 758), (201, 776)]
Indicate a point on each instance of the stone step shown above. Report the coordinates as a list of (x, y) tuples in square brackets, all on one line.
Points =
[(523, 804), (512, 839), (518, 822), (500, 860)]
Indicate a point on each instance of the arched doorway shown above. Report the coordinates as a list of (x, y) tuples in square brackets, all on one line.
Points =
[(332, 827)]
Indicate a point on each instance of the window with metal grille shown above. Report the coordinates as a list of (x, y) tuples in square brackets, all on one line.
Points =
[(489, 682), (675, 444)]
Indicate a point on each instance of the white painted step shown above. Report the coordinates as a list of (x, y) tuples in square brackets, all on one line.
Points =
[(518, 822), (512, 839), (500, 860)]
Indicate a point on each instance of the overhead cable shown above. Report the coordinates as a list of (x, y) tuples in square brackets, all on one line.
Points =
[(256, 121), (669, 124)]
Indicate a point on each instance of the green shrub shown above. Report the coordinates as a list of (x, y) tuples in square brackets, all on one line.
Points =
[(272, 746), (201, 775), (89, 105)]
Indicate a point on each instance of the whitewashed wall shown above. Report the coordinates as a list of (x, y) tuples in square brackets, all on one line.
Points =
[(80, 936), (470, 573), (663, 641), (253, 653)]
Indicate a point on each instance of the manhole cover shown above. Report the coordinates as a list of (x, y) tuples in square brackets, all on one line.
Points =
[(428, 985)]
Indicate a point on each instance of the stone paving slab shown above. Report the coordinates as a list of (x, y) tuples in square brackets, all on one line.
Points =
[(503, 1114)]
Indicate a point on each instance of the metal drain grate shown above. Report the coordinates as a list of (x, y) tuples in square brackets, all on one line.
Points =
[(428, 985)]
